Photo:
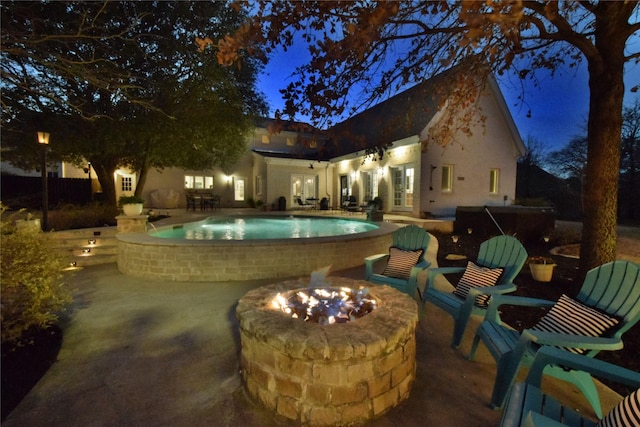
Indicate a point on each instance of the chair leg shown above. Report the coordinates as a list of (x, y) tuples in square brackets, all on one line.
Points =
[(474, 347), (505, 377)]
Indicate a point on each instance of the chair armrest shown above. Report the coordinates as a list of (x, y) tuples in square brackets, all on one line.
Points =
[(370, 261), (572, 341), (599, 368), (534, 419), (433, 272), (416, 269), (493, 290), (375, 258)]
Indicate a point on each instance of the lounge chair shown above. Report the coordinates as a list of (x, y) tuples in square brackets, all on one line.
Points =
[(607, 305), (406, 258), (528, 406), (499, 261)]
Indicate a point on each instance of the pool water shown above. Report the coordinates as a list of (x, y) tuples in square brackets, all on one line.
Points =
[(262, 228)]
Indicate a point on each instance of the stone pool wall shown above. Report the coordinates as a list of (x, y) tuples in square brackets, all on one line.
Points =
[(144, 256)]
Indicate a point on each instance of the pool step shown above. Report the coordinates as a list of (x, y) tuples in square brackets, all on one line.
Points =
[(88, 246)]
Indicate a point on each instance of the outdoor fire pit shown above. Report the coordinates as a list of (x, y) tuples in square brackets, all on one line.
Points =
[(328, 372)]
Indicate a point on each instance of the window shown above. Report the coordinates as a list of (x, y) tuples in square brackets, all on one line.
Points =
[(290, 141), (258, 185), (446, 185), (238, 189), (408, 184), (265, 139), (370, 185), (127, 184), (198, 182), (494, 181)]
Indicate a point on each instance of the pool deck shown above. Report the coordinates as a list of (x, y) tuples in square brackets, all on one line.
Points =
[(139, 352)]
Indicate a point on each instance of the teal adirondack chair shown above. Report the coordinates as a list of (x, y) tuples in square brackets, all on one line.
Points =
[(409, 238), (612, 288), (500, 251), (528, 406)]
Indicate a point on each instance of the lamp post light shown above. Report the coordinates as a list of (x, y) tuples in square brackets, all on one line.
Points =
[(43, 140)]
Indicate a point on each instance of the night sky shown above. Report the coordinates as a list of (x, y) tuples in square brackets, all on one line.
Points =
[(559, 105)]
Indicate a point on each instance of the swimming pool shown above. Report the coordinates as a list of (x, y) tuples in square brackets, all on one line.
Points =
[(172, 257), (263, 228)]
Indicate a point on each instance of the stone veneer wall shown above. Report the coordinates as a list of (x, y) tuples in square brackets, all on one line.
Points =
[(191, 260), (338, 374)]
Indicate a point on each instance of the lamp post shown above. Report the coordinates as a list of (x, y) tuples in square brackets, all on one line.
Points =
[(43, 140)]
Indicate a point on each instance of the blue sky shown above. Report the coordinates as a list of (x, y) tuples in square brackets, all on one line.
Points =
[(559, 105)]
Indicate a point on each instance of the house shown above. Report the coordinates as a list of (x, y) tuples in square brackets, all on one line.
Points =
[(415, 176)]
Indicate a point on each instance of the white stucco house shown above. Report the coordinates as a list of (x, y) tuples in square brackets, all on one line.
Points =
[(415, 177)]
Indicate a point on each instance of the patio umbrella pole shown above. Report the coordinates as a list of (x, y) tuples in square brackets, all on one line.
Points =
[(494, 220)]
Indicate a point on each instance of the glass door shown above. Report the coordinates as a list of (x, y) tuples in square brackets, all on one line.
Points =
[(402, 178), (303, 187)]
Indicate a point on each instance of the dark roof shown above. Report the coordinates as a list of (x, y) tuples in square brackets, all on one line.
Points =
[(403, 115)]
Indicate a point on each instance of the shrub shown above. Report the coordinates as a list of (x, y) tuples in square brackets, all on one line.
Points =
[(31, 276), (126, 200), (70, 217)]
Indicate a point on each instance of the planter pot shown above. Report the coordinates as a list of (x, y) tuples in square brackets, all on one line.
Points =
[(541, 272), (132, 209)]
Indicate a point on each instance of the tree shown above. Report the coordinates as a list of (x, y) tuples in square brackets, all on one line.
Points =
[(124, 84), (372, 49), (630, 163), (571, 160)]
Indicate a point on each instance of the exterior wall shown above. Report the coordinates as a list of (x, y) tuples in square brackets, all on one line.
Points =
[(406, 152), (472, 158)]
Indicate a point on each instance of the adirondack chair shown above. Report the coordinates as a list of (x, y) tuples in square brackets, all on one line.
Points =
[(612, 289), (403, 262), (528, 406), (501, 251)]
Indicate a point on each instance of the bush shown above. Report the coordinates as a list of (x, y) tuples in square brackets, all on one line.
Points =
[(71, 217), (31, 275)]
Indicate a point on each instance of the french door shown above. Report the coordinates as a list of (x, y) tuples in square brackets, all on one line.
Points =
[(403, 180)]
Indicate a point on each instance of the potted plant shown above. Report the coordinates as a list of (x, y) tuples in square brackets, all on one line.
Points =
[(541, 268), (374, 210), (131, 205)]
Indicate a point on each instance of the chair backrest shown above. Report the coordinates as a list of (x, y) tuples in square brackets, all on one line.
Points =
[(503, 251), (615, 289), (411, 238)]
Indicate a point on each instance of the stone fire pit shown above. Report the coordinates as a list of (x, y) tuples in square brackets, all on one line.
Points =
[(335, 374)]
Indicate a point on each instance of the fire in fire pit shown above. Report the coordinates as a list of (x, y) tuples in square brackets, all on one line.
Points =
[(326, 305)]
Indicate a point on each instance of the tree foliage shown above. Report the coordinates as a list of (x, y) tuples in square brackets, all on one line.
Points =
[(124, 84), (363, 51)]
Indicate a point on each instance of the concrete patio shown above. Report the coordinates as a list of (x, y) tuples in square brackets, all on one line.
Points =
[(153, 353)]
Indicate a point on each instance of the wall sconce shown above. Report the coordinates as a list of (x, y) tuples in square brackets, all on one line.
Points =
[(228, 179), (546, 239), (469, 230), (354, 175), (380, 172), (454, 238), (92, 241)]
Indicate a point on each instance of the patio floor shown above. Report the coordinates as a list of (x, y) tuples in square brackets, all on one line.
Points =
[(152, 353)]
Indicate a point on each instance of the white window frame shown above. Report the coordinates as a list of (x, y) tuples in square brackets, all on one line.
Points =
[(198, 182), (494, 181), (446, 179)]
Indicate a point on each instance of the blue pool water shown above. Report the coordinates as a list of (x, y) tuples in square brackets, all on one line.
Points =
[(261, 228)]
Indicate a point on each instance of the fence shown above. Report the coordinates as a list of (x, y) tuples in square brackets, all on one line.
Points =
[(28, 190)]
